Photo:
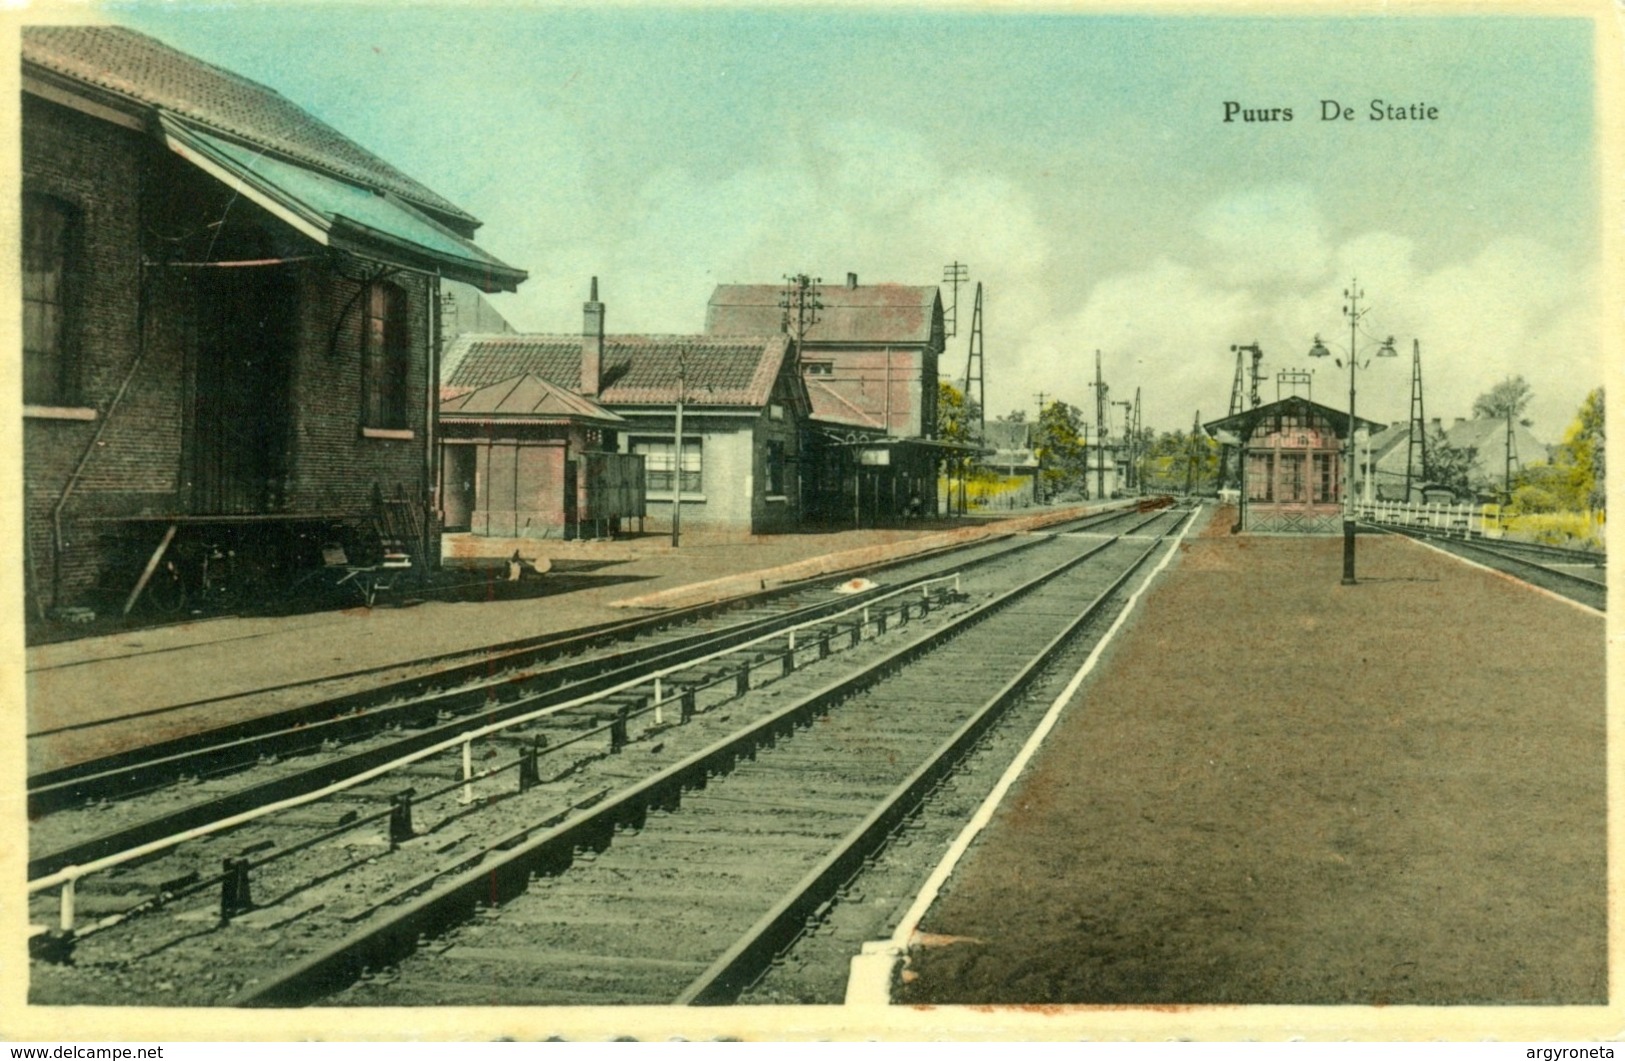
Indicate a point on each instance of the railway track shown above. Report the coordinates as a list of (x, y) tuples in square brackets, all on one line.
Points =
[(1579, 575), (378, 808), (303, 749)]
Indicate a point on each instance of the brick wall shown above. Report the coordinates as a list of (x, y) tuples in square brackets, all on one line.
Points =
[(135, 200)]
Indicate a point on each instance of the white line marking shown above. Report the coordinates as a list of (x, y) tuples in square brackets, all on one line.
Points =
[(874, 969)]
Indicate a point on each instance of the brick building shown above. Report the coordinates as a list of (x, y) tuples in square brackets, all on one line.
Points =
[(739, 466), (869, 363), (228, 308)]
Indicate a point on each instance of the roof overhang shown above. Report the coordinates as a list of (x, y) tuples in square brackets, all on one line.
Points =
[(337, 213)]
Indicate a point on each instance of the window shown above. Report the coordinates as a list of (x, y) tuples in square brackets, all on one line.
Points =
[(1292, 484), (385, 358), (1325, 484), (48, 276), (774, 479), (1261, 477), (820, 368), (658, 464)]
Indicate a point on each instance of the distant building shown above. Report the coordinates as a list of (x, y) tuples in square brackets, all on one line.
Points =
[(869, 365), (1291, 459), (523, 458), (739, 465), (1381, 471), (228, 319)]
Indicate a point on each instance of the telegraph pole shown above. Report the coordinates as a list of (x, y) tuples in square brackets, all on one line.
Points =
[(954, 274), (800, 303), (1100, 429), (677, 452), (973, 367), (1418, 442)]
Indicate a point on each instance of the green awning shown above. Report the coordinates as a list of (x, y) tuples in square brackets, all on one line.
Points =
[(340, 214)]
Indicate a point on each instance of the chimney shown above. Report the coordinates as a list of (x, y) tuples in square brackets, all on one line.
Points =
[(1461, 420), (592, 343), (851, 281), (1434, 423)]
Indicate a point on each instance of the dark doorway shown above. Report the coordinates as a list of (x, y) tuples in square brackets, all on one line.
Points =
[(458, 468), (245, 338)]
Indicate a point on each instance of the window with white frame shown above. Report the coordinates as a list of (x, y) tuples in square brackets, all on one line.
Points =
[(660, 462)]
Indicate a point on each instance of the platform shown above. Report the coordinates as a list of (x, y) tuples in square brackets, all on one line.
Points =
[(1281, 790), (169, 680)]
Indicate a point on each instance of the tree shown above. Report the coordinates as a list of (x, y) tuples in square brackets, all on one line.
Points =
[(1058, 445), (1584, 451), (1016, 416), (1574, 480), (958, 417), (1448, 465), (1510, 395)]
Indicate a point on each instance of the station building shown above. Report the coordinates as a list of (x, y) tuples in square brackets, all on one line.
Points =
[(868, 361), (1291, 460), (738, 468), (228, 315)]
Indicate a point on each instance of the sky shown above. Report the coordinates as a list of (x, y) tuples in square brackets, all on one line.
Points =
[(1077, 161)]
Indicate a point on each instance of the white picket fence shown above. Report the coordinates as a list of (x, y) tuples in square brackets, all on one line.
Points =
[(1467, 520)]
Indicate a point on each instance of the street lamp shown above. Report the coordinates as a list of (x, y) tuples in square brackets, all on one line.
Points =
[(1385, 349)]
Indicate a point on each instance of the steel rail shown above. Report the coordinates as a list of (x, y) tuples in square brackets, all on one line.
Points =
[(505, 872), (747, 958), (73, 873), (340, 718), (1591, 584)]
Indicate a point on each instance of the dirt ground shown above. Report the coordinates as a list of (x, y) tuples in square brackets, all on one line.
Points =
[(1282, 790)]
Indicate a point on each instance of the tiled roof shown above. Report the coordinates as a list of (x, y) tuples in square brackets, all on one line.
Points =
[(525, 397), (146, 71), (637, 369), (868, 314)]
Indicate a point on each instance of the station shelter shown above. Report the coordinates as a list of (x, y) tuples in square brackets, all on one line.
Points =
[(524, 458), (1291, 459)]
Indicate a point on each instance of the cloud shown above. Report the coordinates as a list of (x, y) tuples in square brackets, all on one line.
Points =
[(1249, 272), (858, 196)]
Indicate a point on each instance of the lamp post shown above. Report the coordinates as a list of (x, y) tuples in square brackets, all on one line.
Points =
[(1385, 349)]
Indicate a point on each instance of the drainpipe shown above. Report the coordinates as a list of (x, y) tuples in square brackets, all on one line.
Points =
[(57, 544), (431, 413)]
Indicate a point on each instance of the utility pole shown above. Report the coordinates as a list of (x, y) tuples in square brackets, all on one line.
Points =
[(677, 451), (1193, 453), (954, 274), (800, 303), (973, 367), (1512, 457), (1100, 429), (1134, 444), (1418, 444)]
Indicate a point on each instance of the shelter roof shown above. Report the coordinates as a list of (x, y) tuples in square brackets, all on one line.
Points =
[(1248, 421), (525, 397), (636, 369)]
